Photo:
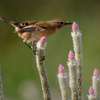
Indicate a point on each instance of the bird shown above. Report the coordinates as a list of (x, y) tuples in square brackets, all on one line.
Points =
[(32, 31)]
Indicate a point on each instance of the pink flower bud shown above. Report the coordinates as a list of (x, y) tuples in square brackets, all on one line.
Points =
[(91, 90), (71, 56), (61, 69), (74, 27), (43, 40), (96, 73)]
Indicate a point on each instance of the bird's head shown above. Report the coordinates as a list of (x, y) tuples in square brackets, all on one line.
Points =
[(59, 23)]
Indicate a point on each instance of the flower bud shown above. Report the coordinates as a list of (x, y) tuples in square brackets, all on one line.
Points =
[(61, 69)]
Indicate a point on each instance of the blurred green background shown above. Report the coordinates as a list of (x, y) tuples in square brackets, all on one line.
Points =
[(18, 65)]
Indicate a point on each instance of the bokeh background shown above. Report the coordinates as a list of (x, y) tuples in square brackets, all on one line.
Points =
[(18, 65)]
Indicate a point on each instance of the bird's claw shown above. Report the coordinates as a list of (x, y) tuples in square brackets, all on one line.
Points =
[(34, 50)]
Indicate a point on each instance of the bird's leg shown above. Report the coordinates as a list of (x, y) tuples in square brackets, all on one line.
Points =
[(32, 46), (34, 50), (33, 43)]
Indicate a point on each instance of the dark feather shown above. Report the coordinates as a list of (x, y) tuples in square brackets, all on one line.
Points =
[(28, 29), (5, 20), (28, 23)]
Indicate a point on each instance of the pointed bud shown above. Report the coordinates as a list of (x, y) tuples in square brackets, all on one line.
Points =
[(43, 40), (91, 90), (61, 69), (74, 27), (41, 43), (96, 73), (71, 56)]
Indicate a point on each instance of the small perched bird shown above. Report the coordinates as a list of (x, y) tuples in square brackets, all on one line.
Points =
[(31, 31)]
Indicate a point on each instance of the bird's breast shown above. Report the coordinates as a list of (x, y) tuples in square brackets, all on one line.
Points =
[(36, 35)]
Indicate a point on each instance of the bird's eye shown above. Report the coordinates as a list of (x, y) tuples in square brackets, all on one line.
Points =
[(60, 23)]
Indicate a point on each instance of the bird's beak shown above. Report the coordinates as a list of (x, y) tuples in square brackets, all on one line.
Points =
[(68, 23)]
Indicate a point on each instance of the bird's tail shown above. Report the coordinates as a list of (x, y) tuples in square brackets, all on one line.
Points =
[(15, 24), (7, 21)]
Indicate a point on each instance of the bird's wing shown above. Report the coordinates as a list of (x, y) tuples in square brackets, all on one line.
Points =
[(27, 23), (27, 29), (42, 25), (35, 27)]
